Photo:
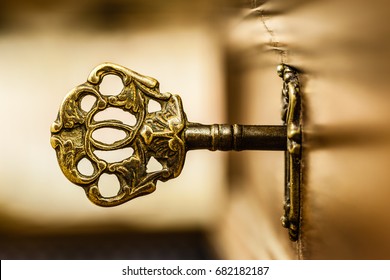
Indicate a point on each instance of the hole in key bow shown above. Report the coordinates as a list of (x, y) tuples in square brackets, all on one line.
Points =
[(108, 135), (114, 155), (153, 106), (85, 167), (87, 102), (108, 185), (153, 165), (111, 85), (113, 113)]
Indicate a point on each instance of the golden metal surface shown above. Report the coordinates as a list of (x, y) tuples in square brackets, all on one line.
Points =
[(155, 134), (291, 116)]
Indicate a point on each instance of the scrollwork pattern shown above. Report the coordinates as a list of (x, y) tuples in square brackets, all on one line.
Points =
[(154, 134)]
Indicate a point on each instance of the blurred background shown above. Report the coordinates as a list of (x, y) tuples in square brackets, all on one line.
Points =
[(220, 57), (47, 49)]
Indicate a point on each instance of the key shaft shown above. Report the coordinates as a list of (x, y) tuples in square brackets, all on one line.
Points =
[(226, 137)]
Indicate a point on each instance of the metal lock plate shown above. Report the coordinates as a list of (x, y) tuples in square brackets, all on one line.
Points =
[(292, 118)]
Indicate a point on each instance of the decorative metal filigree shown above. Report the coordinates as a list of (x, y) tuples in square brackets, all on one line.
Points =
[(165, 135), (154, 134), (291, 116)]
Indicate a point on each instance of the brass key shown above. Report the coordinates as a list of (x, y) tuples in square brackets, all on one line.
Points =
[(165, 135)]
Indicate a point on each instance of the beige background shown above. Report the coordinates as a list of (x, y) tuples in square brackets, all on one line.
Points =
[(46, 56)]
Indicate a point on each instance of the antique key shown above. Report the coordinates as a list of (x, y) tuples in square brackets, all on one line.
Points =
[(165, 135)]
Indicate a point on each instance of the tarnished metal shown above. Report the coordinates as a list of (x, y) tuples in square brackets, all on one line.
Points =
[(154, 134), (164, 135), (291, 116), (225, 137)]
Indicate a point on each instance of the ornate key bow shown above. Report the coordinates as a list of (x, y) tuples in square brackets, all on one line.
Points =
[(155, 134)]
